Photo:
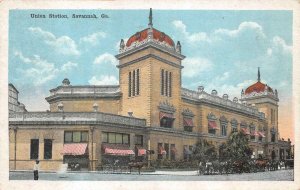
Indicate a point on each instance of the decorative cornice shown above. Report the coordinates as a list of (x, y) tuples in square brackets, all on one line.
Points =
[(223, 119), (58, 97), (234, 122), (149, 43), (84, 92), (243, 124), (150, 56), (188, 112), (211, 117), (165, 106)]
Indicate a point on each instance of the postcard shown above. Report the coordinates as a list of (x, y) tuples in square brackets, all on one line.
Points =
[(129, 94)]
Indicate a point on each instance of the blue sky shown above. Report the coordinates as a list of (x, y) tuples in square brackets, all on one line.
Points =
[(223, 49)]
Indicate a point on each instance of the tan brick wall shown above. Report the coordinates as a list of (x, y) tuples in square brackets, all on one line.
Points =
[(139, 104), (156, 96)]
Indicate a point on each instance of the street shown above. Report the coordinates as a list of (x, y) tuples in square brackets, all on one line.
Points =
[(279, 175)]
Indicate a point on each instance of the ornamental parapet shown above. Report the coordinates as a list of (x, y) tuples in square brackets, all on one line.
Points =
[(203, 96), (260, 94), (91, 89), (137, 46), (75, 117)]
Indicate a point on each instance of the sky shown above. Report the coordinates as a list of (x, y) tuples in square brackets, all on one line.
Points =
[(223, 50)]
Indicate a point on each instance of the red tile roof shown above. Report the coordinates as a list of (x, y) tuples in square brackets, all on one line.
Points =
[(257, 87), (157, 35)]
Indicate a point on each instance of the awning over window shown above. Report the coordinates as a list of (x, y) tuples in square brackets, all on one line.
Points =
[(245, 131), (188, 122), (74, 149), (254, 133), (261, 134), (165, 115), (141, 152), (118, 152), (212, 125), (161, 150)]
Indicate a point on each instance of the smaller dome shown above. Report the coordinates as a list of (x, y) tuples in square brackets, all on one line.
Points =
[(66, 82), (258, 87)]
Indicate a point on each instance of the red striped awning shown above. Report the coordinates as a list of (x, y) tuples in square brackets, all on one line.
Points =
[(74, 149), (118, 152), (141, 152), (245, 131), (166, 115), (261, 134), (255, 133), (188, 122), (212, 125)]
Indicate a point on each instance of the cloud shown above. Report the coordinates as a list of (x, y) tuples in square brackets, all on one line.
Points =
[(93, 39), (194, 37), (224, 77), (40, 71), (68, 66), (243, 27), (20, 55), (279, 45), (63, 45), (219, 33), (106, 58), (104, 80), (195, 65)]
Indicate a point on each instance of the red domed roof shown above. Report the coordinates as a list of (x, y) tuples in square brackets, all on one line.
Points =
[(257, 87), (157, 35)]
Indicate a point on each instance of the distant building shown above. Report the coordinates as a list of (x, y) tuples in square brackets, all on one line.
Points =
[(148, 110), (13, 102)]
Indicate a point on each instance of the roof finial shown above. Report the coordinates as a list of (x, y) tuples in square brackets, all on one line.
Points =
[(258, 75), (150, 19)]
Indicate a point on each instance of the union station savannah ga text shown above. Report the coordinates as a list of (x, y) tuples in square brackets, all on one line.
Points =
[(94, 125)]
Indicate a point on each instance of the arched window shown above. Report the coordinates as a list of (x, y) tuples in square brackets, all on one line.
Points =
[(212, 124), (223, 123), (234, 125)]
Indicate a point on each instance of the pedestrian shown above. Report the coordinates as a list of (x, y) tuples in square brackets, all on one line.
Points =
[(36, 169), (200, 168)]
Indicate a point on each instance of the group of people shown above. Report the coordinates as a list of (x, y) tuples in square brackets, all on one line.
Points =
[(240, 166)]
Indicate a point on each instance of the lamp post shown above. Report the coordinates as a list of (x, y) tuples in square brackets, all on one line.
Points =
[(15, 147), (92, 136), (149, 159)]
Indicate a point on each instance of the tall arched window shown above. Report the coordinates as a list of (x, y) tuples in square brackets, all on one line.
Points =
[(223, 123)]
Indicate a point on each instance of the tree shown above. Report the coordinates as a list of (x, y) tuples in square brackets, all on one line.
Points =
[(204, 151), (237, 147)]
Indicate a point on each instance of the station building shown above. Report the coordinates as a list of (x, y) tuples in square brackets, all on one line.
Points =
[(96, 125)]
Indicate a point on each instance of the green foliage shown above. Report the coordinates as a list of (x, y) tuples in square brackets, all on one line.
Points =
[(236, 148), (204, 151)]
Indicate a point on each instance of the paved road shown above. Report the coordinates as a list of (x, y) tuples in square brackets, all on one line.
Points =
[(280, 175)]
